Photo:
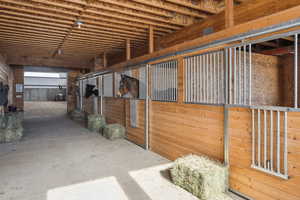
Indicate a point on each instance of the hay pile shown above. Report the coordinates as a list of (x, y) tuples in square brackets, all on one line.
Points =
[(203, 177), (77, 115), (113, 131), (96, 122), (11, 128)]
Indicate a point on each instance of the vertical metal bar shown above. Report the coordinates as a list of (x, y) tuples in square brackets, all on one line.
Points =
[(265, 139), (278, 141), (188, 81), (235, 77), (198, 80), (258, 138), (185, 79), (211, 72), (176, 79), (253, 137), (210, 77), (245, 75), (250, 74), (296, 72), (202, 78), (230, 76), (192, 79), (147, 108), (226, 89), (223, 75), (271, 140), (285, 145), (214, 80), (240, 77)]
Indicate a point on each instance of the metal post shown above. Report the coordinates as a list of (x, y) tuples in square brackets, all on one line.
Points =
[(253, 137), (265, 139), (250, 74), (278, 142), (245, 76), (285, 145), (258, 138), (296, 72), (147, 108), (271, 140), (235, 77)]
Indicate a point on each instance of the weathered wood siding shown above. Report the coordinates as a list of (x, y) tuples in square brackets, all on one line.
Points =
[(253, 183), (136, 135)]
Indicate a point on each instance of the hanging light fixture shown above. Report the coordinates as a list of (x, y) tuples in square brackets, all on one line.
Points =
[(79, 23)]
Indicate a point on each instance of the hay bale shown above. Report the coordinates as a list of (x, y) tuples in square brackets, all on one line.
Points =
[(203, 177), (96, 122), (11, 128), (114, 131)]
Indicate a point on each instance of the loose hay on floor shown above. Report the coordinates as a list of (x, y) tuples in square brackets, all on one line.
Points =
[(114, 131), (203, 177), (96, 122)]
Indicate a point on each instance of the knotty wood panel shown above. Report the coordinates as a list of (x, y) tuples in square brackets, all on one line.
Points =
[(253, 183), (180, 129), (114, 110), (136, 135)]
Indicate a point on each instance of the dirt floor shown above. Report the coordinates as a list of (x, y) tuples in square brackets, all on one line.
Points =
[(60, 160)]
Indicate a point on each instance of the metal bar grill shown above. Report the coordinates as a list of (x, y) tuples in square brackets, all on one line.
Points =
[(164, 81), (240, 65), (269, 141), (204, 78)]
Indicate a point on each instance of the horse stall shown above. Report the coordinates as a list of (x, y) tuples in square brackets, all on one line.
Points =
[(236, 103)]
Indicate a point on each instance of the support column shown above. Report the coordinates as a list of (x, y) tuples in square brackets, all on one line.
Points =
[(151, 39), (128, 52), (229, 15)]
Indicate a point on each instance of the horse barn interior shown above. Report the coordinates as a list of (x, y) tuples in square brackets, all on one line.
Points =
[(149, 99)]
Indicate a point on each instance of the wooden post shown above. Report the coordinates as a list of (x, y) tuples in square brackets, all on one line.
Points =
[(128, 52), (151, 39), (229, 17)]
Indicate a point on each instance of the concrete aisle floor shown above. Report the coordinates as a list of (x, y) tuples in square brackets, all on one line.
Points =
[(60, 160)]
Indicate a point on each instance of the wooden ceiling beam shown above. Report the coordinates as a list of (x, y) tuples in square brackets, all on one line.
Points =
[(95, 26), (113, 9), (131, 5), (171, 7), (63, 19), (49, 62), (203, 6)]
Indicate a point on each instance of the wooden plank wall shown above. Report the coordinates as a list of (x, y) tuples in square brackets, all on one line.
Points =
[(114, 110), (180, 129), (136, 135), (251, 182)]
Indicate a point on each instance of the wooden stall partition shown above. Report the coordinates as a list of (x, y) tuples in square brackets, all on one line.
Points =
[(136, 134), (253, 183), (114, 110), (180, 129)]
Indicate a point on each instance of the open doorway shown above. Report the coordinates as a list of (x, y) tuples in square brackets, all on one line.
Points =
[(44, 93)]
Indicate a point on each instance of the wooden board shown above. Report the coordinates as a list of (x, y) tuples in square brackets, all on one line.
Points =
[(114, 110), (180, 129)]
